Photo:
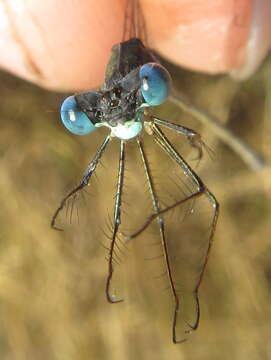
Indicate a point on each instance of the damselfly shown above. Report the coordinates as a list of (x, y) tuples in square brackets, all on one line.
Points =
[(135, 82)]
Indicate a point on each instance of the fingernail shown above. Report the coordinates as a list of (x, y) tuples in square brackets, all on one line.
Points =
[(259, 41)]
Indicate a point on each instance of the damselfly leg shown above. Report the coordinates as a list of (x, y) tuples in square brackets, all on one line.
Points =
[(202, 190)]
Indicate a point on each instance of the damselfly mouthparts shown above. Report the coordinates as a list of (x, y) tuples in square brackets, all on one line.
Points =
[(134, 83)]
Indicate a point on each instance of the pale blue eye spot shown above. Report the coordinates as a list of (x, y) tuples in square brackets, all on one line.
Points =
[(155, 83), (75, 120)]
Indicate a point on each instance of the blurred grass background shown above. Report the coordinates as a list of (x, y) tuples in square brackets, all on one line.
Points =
[(52, 302)]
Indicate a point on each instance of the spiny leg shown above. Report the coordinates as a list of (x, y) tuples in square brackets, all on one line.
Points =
[(84, 182), (116, 224), (253, 159), (192, 136), (163, 142), (161, 224)]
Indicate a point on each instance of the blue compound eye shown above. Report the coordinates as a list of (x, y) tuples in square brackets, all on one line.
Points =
[(155, 83), (75, 120)]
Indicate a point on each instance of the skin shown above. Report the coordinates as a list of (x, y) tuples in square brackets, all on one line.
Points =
[(63, 46)]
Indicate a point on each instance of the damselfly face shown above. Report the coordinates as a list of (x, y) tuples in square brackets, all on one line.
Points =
[(135, 83)]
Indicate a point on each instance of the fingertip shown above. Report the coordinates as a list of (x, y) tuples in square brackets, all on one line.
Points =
[(258, 42), (203, 36), (65, 50)]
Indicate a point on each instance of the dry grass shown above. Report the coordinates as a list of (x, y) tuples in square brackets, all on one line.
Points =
[(52, 284)]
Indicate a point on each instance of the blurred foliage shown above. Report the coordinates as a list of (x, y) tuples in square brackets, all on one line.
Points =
[(52, 299)]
